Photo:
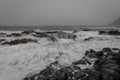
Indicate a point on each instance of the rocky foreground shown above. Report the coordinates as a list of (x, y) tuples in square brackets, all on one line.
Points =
[(59, 55), (95, 65)]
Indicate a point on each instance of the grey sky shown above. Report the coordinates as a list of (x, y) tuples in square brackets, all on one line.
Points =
[(58, 12)]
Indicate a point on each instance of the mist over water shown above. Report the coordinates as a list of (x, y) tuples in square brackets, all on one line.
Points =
[(25, 28), (58, 12)]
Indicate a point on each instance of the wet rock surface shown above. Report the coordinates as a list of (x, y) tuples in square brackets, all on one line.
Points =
[(14, 35), (27, 32), (98, 65), (88, 39), (114, 32), (2, 34), (102, 32), (66, 35), (19, 41), (54, 35), (2, 40), (40, 35), (111, 32)]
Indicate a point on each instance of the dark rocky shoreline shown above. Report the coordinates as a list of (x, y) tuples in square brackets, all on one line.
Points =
[(50, 35), (99, 65), (111, 32), (18, 41)]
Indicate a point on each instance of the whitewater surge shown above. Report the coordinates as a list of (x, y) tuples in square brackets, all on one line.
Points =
[(19, 61)]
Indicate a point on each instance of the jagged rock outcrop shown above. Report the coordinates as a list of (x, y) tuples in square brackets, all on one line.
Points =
[(98, 65)]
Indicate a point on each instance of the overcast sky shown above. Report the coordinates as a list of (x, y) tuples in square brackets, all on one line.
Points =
[(58, 12)]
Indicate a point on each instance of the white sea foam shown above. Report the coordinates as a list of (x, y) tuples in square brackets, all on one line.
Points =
[(18, 61)]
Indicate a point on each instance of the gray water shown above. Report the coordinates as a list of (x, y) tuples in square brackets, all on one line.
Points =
[(24, 28), (67, 28)]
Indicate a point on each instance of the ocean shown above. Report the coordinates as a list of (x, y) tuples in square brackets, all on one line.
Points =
[(24, 28), (66, 28)]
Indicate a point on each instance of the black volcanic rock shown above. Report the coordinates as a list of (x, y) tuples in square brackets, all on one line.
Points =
[(104, 68), (14, 35), (79, 62), (102, 32), (2, 40), (89, 38), (107, 49), (114, 32), (110, 32), (92, 51)]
